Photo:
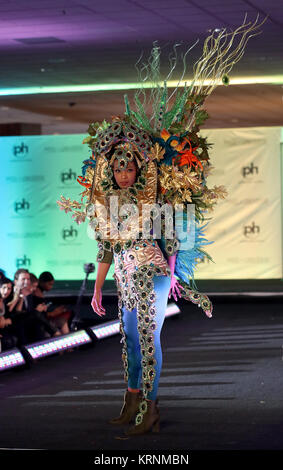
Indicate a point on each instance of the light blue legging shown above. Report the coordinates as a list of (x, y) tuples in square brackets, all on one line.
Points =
[(161, 288)]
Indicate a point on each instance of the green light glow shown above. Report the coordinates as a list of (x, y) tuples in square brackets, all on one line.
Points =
[(267, 80)]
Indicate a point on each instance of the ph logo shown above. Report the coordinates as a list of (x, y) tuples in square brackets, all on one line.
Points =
[(69, 233), (68, 176), (20, 150), (22, 205), (249, 170), (251, 230), (23, 262)]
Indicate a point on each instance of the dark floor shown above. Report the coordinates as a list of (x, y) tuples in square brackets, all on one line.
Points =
[(209, 286), (220, 388)]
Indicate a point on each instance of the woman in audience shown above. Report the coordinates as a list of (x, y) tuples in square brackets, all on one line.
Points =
[(59, 316), (29, 319), (8, 334)]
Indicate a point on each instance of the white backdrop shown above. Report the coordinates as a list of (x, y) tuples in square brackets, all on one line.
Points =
[(246, 226), (34, 233)]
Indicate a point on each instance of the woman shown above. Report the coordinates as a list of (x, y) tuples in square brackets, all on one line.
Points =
[(122, 179), (59, 316), (132, 323), (154, 154), (8, 337), (28, 318), (6, 290)]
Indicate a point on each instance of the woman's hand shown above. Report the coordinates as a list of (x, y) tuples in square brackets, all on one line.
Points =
[(41, 307), (96, 303), (174, 288), (56, 312), (17, 291)]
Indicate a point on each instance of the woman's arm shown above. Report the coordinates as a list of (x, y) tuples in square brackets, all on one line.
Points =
[(19, 305), (96, 304), (174, 286), (172, 261), (15, 300), (2, 308), (2, 322)]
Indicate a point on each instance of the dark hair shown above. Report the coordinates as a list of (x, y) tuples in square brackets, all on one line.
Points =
[(20, 271), (33, 277), (46, 276), (5, 280)]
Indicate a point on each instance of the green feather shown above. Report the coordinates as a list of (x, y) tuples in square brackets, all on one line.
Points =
[(142, 115), (128, 109), (177, 108), (161, 108)]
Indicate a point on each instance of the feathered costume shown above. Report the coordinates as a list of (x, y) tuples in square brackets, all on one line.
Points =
[(173, 164)]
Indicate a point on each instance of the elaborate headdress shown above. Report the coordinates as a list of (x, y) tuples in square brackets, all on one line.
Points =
[(162, 136)]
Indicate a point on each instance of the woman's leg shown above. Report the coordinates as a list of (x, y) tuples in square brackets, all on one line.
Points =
[(161, 288), (132, 363), (150, 328), (65, 328), (133, 348)]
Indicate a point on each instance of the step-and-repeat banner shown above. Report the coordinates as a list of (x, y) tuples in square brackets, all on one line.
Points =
[(35, 234), (245, 228)]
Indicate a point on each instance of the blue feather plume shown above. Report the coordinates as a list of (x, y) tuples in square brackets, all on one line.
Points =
[(186, 260)]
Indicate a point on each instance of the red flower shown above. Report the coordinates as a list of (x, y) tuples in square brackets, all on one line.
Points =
[(186, 157), (83, 181)]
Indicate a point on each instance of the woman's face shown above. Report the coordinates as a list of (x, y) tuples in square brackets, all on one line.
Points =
[(47, 285), (5, 290), (127, 177), (34, 286)]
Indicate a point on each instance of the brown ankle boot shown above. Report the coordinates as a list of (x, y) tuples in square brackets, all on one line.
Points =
[(129, 409), (150, 422)]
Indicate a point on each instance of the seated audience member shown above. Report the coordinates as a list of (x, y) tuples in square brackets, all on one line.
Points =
[(42, 307), (29, 319), (6, 291), (7, 339), (60, 315), (33, 282), (8, 334), (2, 274)]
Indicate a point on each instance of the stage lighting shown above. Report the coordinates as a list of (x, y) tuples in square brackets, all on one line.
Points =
[(11, 358), (14, 357), (35, 90), (106, 329), (113, 327), (55, 345), (172, 309)]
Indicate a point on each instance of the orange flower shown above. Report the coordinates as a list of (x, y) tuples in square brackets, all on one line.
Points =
[(166, 135), (187, 156), (83, 181)]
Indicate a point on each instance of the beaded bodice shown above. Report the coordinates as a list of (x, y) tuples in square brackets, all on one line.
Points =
[(135, 268)]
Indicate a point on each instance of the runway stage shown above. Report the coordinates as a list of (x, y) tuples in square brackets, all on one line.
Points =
[(220, 388)]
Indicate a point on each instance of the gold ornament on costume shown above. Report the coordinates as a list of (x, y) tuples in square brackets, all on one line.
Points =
[(156, 153)]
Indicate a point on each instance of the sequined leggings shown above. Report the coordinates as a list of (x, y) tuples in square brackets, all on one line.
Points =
[(161, 288)]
